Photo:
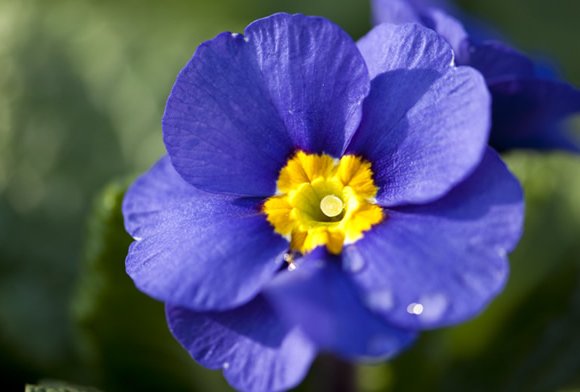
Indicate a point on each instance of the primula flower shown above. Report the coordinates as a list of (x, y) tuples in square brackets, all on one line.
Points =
[(529, 109), (319, 196)]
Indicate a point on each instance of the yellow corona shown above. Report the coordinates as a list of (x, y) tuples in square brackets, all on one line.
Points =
[(323, 202)]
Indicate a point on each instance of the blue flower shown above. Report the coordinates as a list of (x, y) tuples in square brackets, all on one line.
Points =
[(529, 109), (319, 197)]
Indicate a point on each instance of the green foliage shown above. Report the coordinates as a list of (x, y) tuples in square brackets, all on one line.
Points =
[(536, 27), (55, 386)]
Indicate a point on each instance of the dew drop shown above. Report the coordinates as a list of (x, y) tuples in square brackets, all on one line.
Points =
[(226, 365), (415, 308), (288, 257)]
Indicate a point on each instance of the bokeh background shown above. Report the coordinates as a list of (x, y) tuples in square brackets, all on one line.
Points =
[(82, 90)]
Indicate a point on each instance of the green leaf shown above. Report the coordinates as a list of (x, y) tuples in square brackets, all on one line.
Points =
[(122, 332)]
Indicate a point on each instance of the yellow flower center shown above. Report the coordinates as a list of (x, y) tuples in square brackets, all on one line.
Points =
[(321, 201)]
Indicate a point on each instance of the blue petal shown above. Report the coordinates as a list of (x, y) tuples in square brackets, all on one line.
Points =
[(449, 28), (423, 133), (197, 249), (220, 127), (389, 47), (441, 263), (394, 11), (497, 61), (425, 13), (242, 105), (255, 350), (529, 113), (319, 297), (316, 77)]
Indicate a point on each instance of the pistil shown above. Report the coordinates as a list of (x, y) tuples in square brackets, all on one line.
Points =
[(331, 206)]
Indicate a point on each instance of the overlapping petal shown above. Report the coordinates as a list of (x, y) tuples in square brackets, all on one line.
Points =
[(243, 104), (523, 113), (197, 249), (452, 30), (388, 48), (422, 131), (498, 62), (425, 13), (440, 263), (394, 11), (255, 350), (320, 298), (530, 113)]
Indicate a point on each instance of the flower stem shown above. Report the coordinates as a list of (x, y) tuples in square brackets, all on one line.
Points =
[(336, 375)]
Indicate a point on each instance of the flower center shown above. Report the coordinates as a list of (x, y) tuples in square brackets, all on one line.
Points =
[(323, 202)]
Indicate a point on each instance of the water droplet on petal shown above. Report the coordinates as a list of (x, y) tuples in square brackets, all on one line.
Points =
[(288, 257), (226, 365), (415, 308), (380, 301)]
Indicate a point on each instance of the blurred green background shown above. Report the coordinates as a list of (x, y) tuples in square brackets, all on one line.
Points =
[(82, 90)]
